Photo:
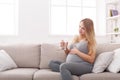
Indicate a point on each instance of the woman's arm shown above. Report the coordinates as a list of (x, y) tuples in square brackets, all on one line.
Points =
[(90, 57)]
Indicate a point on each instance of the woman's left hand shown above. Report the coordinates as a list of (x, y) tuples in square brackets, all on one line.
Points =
[(74, 51)]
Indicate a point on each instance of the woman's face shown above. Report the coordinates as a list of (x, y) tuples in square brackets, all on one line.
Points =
[(81, 29)]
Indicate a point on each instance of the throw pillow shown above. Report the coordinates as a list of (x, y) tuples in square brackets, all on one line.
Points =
[(6, 61), (102, 62), (115, 64)]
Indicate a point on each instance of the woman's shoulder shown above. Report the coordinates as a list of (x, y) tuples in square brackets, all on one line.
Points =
[(75, 39)]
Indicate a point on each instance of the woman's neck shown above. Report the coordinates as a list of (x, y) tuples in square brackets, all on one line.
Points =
[(82, 38)]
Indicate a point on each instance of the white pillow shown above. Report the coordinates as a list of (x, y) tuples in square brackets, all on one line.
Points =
[(115, 64), (6, 61), (102, 62)]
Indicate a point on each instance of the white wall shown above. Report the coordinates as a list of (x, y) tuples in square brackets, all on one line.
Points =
[(34, 24)]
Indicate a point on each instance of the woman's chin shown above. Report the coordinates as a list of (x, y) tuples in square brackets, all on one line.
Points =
[(81, 33)]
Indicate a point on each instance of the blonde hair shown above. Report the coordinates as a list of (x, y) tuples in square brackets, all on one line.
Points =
[(89, 34)]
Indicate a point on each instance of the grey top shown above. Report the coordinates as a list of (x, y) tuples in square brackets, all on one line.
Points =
[(81, 46)]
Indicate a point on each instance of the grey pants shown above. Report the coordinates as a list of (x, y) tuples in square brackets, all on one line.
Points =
[(68, 69)]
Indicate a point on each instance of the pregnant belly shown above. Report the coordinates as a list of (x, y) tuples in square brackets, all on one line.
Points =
[(73, 58)]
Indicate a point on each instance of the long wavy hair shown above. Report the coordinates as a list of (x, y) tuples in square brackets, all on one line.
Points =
[(89, 34)]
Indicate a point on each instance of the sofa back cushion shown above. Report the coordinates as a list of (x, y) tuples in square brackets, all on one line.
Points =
[(24, 55), (106, 47), (50, 52), (53, 52)]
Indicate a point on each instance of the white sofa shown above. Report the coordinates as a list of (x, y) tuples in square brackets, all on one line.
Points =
[(32, 61)]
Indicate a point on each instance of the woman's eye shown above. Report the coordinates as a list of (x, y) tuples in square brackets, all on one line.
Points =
[(83, 28)]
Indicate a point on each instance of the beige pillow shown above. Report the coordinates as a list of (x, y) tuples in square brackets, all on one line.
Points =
[(51, 52), (102, 62)]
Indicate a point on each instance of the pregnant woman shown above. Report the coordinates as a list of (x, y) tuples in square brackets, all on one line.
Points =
[(80, 55)]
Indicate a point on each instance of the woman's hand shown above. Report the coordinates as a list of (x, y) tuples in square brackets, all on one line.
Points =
[(74, 51)]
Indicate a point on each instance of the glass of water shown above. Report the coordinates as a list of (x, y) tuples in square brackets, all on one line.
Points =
[(65, 43)]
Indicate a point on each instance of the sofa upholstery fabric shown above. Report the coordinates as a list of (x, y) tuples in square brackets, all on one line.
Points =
[(101, 76), (50, 52), (24, 55), (47, 74), (18, 74)]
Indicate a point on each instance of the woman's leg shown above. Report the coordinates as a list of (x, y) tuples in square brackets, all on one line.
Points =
[(54, 65), (69, 69)]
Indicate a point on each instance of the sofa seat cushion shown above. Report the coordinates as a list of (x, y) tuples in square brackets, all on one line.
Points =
[(47, 74), (101, 76), (18, 74)]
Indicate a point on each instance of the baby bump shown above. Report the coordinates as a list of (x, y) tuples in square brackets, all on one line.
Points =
[(73, 58)]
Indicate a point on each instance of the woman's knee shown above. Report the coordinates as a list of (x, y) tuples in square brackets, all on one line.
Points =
[(63, 66), (54, 66)]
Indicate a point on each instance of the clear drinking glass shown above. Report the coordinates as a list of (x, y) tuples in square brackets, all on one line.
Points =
[(65, 45)]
